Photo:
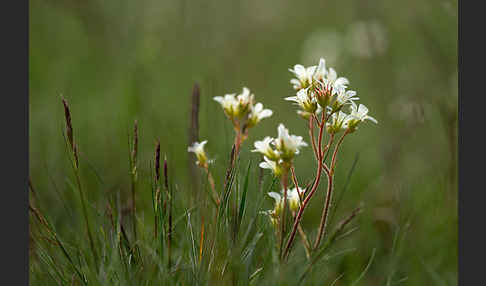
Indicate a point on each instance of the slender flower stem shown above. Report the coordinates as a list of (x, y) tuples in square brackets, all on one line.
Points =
[(320, 165), (201, 241), (333, 161), (312, 136), (327, 203), (212, 184), (296, 183), (325, 211), (319, 140), (326, 148), (305, 240), (294, 179), (238, 140), (284, 208)]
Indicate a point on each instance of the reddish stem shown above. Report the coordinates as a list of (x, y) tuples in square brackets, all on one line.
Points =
[(282, 221), (314, 188), (313, 140), (325, 211), (296, 183)]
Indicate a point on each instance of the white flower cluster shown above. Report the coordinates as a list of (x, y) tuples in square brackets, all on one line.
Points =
[(242, 106), (278, 152), (294, 197), (243, 113), (319, 88)]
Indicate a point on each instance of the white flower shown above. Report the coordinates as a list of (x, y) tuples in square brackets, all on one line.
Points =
[(320, 71), (265, 148), (305, 100), (245, 101), (278, 202), (358, 114), (304, 76), (229, 104), (236, 106), (257, 113), (245, 98), (336, 83), (294, 196), (288, 145), (338, 122), (344, 97), (198, 149), (272, 165)]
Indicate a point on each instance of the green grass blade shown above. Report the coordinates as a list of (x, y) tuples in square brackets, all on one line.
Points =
[(366, 268), (243, 196)]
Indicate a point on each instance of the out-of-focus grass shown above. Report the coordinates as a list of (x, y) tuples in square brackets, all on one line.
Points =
[(117, 61)]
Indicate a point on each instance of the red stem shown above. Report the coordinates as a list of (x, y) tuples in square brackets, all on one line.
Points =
[(282, 222), (313, 140), (325, 211), (320, 165), (296, 184)]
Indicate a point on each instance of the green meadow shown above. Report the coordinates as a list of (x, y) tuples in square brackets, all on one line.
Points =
[(102, 214)]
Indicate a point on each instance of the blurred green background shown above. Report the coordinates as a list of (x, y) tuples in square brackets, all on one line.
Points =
[(117, 61)]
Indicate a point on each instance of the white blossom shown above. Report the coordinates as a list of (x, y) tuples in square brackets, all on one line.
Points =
[(294, 197), (321, 71), (245, 98), (359, 114), (278, 202), (229, 104), (236, 105), (288, 145), (198, 149), (303, 76), (265, 148), (272, 165), (257, 113), (305, 99), (335, 83), (344, 97), (338, 122)]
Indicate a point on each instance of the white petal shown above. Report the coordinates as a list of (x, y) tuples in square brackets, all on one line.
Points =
[(322, 65), (275, 196), (362, 110), (295, 81), (342, 81), (371, 119), (332, 75), (311, 70), (258, 107), (265, 165), (299, 70), (265, 113), (292, 98)]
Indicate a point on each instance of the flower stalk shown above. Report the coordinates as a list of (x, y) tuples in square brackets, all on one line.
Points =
[(319, 90)]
